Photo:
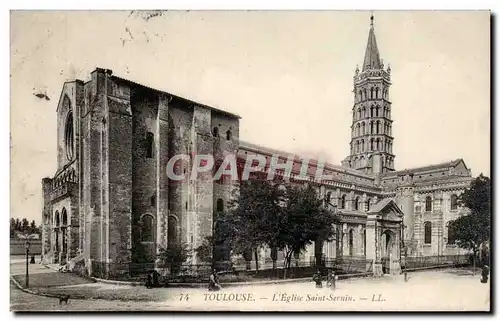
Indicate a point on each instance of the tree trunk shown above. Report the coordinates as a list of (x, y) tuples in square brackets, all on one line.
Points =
[(256, 261), (248, 264), (288, 258), (318, 253), (474, 262)]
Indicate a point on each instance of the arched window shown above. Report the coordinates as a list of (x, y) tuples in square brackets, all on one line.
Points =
[(364, 92), (64, 217), (377, 109), (378, 127), (147, 228), (69, 136), (372, 111), (428, 204), (368, 204), (454, 202), (371, 144), (362, 145), (342, 202), (220, 205), (229, 135), (364, 112), (372, 127), (451, 234), (150, 140), (357, 129), (427, 232), (359, 113), (357, 146), (376, 92), (360, 95), (363, 128), (57, 219), (153, 200), (172, 230), (356, 203), (378, 143), (215, 131), (351, 243), (371, 93), (328, 197)]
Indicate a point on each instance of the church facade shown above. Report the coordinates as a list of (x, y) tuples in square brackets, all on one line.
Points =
[(111, 204)]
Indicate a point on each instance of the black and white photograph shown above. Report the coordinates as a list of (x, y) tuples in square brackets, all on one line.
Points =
[(250, 160)]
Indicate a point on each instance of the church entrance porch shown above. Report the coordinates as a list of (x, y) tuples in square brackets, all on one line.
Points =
[(383, 234)]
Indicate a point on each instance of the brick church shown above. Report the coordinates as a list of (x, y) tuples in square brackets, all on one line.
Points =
[(110, 200)]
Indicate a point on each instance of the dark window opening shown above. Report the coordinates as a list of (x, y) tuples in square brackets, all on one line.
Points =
[(220, 205), (229, 135), (427, 232), (428, 204), (454, 202), (215, 131), (150, 145), (69, 136), (147, 228)]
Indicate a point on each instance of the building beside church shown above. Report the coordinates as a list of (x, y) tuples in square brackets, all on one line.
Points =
[(110, 203)]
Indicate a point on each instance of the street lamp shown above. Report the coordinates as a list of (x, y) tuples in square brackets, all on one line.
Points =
[(27, 280)]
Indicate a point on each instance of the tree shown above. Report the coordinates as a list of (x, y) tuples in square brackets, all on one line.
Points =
[(473, 229), (25, 226), (33, 228), (204, 252), (173, 256), (253, 218), (305, 220), (12, 227)]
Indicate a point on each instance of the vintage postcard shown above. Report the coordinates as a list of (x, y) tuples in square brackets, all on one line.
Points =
[(250, 161)]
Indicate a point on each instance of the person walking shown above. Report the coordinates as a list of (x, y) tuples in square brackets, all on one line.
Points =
[(213, 282), (318, 279), (331, 279), (484, 274)]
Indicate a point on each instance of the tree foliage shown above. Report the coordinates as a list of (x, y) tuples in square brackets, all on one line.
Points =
[(23, 226), (473, 229), (173, 256), (279, 215), (305, 220), (254, 217)]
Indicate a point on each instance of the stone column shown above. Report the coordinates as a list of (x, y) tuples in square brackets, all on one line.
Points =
[(372, 244)]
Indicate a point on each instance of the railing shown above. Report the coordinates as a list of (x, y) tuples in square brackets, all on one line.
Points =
[(228, 272), (428, 261), (62, 190)]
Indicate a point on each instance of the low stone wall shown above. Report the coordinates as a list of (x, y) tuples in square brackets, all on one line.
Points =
[(18, 247)]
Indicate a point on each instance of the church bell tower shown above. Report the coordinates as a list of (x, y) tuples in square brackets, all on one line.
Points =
[(371, 130)]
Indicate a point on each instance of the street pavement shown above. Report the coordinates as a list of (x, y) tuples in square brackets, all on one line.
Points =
[(437, 290)]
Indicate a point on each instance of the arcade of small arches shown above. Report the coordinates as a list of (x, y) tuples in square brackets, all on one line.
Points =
[(361, 161), (60, 228), (373, 93), (342, 202), (68, 175), (372, 127), (374, 144), (373, 111)]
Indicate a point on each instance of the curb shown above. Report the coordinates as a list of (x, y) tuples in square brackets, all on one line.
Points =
[(116, 282), (20, 287), (230, 284)]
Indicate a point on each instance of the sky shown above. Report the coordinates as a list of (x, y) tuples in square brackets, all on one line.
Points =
[(288, 74)]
